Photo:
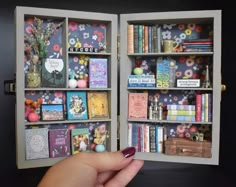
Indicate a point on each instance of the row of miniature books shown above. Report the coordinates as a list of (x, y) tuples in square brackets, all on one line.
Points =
[(93, 70), (181, 113), (202, 111), (80, 105), (204, 107), (53, 143), (144, 38), (146, 138), (198, 45)]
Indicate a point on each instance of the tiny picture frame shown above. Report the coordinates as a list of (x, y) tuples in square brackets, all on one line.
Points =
[(52, 112)]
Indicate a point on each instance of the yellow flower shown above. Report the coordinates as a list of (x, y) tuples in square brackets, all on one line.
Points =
[(188, 32)]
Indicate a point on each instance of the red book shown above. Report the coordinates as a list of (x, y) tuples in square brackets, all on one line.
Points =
[(198, 107), (138, 105)]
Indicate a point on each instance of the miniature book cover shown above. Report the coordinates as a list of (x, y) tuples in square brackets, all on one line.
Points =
[(98, 105), (79, 140), (53, 73), (36, 143), (138, 105), (98, 73), (162, 73), (76, 105), (59, 143)]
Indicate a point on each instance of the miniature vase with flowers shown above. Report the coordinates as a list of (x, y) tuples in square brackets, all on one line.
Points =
[(37, 51)]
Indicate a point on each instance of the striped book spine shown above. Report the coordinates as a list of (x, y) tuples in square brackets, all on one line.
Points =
[(182, 112), (181, 118), (152, 132), (180, 107)]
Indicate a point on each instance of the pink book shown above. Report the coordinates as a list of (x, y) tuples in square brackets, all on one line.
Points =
[(138, 105), (198, 107)]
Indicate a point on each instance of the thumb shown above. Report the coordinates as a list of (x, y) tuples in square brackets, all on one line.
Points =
[(107, 161)]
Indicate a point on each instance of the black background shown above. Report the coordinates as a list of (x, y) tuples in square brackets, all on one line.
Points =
[(154, 173)]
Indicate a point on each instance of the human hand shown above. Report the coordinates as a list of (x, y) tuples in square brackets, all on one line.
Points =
[(84, 169)]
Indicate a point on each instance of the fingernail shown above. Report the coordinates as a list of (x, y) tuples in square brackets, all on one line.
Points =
[(128, 152)]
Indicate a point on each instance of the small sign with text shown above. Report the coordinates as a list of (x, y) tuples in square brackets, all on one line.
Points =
[(188, 83)]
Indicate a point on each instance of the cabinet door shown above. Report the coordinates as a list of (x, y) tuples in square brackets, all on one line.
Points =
[(175, 58), (64, 59)]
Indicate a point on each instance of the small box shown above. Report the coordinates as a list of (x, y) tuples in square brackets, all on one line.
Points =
[(187, 147)]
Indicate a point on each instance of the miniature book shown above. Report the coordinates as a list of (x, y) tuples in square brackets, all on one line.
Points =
[(98, 105), (76, 105), (53, 73), (138, 105), (79, 140), (36, 143), (59, 143), (98, 73)]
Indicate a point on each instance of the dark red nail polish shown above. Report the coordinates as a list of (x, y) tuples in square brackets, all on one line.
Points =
[(128, 152)]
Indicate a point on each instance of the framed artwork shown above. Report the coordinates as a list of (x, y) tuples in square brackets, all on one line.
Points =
[(51, 112)]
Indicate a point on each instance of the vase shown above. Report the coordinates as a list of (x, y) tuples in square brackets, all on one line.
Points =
[(33, 77)]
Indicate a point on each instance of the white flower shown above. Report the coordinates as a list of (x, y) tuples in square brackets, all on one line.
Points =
[(166, 35), (94, 37)]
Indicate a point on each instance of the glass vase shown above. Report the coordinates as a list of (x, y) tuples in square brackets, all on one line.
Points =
[(33, 77)]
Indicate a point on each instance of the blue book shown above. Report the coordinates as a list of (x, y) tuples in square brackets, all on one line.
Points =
[(76, 105)]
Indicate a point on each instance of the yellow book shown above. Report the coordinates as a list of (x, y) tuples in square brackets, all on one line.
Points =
[(98, 105)]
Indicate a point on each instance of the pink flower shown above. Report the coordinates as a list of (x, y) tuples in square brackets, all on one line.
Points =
[(73, 25)]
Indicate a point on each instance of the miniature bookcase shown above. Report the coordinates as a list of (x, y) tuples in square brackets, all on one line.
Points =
[(65, 60), (170, 85)]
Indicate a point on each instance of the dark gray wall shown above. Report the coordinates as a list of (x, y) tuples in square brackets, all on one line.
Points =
[(154, 173)]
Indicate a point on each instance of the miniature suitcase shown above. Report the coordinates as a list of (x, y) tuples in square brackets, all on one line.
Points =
[(187, 147)]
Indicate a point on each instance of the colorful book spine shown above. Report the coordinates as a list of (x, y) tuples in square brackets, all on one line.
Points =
[(154, 39), (136, 38), (203, 108), (160, 139), (210, 107), (129, 134), (180, 107), (159, 39), (206, 107), (152, 132), (145, 39), (182, 112), (181, 118), (198, 107), (140, 38), (146, 139), (135, 136), (149, 39), (130, 38)]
